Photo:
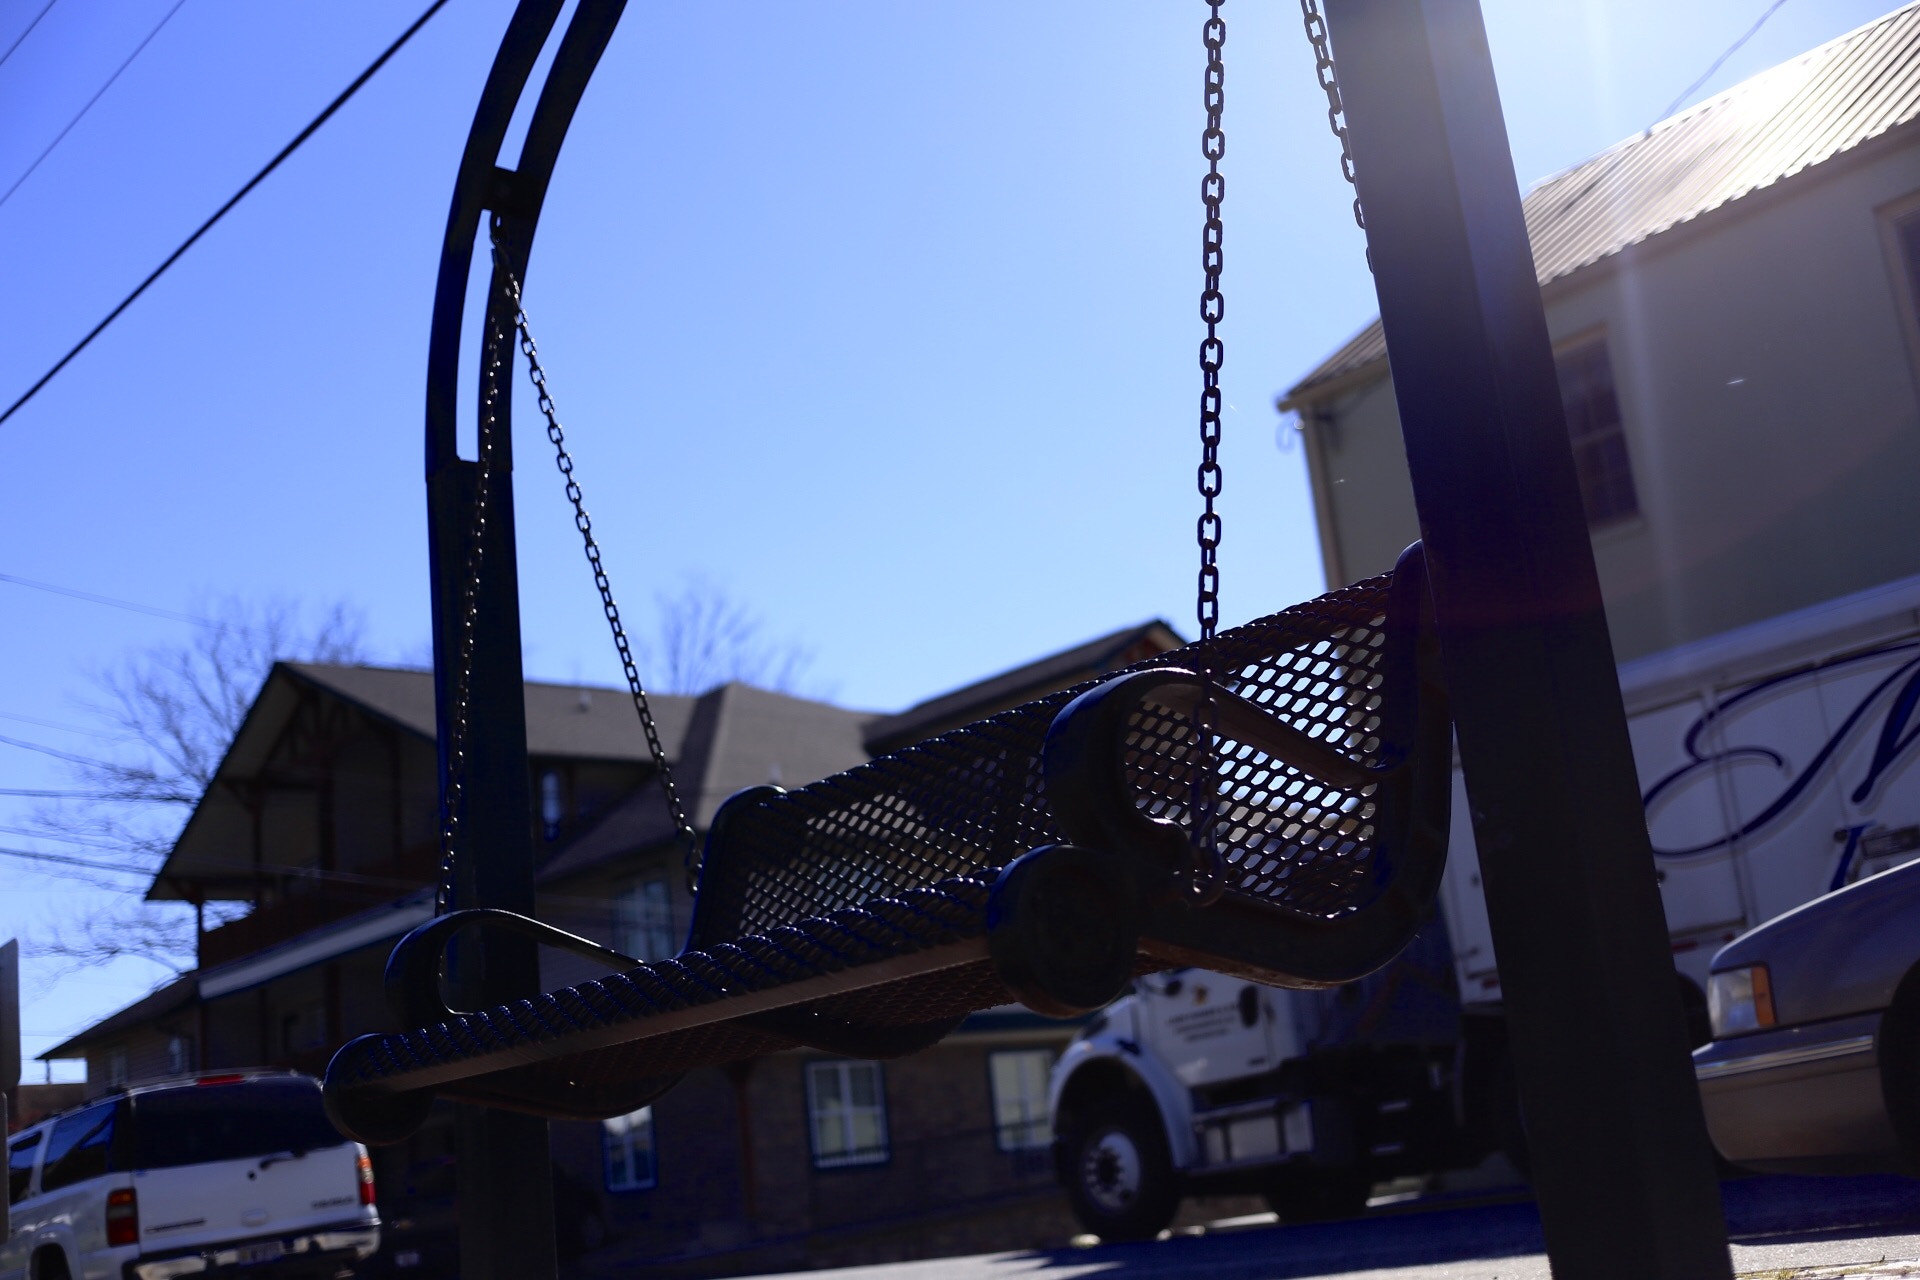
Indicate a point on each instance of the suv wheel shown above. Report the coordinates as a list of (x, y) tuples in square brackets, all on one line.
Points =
[(1120, 1177)]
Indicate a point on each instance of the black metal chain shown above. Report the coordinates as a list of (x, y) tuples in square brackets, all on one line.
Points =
[(1329, 78), (584, 523), (1204, 881), (458, 726)]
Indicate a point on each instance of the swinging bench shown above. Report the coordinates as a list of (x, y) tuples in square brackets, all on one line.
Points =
[(1271, 801)]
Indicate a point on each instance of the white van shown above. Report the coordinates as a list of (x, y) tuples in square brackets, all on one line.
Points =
[(182, 1177)]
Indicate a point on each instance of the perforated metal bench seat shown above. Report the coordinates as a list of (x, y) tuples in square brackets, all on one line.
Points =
[(1036, 855)]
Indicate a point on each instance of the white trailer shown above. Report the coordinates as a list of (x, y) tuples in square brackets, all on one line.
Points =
[(1776, 764)]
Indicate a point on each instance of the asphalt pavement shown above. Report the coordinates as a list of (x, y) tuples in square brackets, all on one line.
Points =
[(1828, 1227)]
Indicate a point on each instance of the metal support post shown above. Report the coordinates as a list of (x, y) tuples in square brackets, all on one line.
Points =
[(504, 1172), (1621, 1161)]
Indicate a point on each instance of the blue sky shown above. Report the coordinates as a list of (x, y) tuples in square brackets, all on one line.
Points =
[(880, 316)]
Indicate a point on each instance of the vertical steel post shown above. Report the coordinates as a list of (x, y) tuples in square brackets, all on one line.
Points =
[(1622, 1166), (503, 1172)]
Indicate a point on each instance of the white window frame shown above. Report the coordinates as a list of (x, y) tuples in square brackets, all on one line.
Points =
[(1022, 1121), (643, 925), (831, 1114), (1903, 272), (618, 1138), (1580, 346)]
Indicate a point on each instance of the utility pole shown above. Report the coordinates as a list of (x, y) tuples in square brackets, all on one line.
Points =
[(1621, 1161)]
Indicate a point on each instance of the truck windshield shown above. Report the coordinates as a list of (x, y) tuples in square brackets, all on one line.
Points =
[(198, 1124)]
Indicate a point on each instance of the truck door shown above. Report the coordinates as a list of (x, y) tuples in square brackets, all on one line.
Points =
[(1207, 1027)]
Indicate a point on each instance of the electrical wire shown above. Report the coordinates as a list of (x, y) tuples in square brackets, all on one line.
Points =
[(24, 34), (53, 724), (223, 210), (61, 859), (110, 601), (60, 137), (55, 752), (1720, 61), (33, 834)]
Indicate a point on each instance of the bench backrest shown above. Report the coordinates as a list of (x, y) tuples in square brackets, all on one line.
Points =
[(966, 803)]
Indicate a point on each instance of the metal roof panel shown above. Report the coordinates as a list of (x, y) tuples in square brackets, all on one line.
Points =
[(1766, 128)]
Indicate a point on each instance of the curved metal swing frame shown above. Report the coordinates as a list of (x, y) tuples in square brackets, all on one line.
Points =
[(492, 863), (1034, 856)]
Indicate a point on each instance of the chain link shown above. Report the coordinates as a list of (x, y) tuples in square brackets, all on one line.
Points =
[(563, 460), (1204, 881), (1329, 78), (458, 728)]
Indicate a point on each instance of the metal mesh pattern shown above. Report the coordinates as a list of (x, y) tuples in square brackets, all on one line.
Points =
[(970, 801), (811, 947), (897, 856), (1285, 835)]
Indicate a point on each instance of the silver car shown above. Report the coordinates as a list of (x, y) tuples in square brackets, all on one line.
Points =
[(1814, 1066)]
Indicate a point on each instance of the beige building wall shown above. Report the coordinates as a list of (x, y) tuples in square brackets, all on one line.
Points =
[(1765, 363)]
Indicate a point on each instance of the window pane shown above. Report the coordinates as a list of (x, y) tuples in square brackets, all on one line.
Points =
[(20, 1158), (1908, 231), (1599, 439), (643, 921), (77, 1149), (829, 1135), (628, 1143), (863, 1082), (847, 1108), (828, 1085), (867, 1137), (1018, 1081), (203, 1123)]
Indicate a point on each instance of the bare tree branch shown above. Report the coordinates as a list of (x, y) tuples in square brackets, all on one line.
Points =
[(704, 639), (172, 710)]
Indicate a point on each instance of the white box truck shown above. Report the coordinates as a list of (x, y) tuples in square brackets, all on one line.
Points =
[(1775, 764)]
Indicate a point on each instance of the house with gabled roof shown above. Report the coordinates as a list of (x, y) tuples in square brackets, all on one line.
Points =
[(321, 820), (1734, 299)]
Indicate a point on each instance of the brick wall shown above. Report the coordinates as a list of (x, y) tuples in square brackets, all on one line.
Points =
[(724, 1204)]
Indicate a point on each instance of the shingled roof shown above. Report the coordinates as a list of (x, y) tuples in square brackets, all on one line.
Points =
[(1011, 688), (1779, 123)]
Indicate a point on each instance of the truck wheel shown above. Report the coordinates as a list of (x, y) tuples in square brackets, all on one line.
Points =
[(51, 1264), (1319, 1195), (1119, 1175)]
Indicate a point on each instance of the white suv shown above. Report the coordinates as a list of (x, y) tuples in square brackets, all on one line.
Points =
[(181, 1177)]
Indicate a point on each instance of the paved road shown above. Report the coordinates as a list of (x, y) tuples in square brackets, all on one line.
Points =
[(1776, 1223)]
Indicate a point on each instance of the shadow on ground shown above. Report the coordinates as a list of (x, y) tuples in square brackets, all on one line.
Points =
[(1444, 1229)]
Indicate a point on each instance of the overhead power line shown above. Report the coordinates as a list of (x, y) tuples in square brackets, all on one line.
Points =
[(110, 601), (1721, 60), (55, 752), (36, 834), (60, 137), (222, 211), (24, 34), (61, 859), (53, 724)]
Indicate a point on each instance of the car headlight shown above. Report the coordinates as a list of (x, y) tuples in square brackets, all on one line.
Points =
[(1740, 1000)]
